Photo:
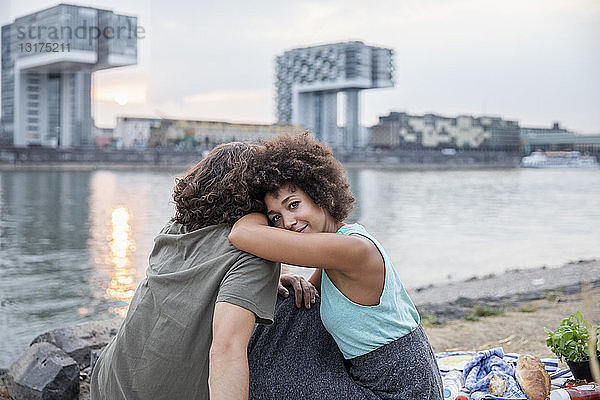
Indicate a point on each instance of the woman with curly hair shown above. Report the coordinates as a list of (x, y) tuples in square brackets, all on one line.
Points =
[(186, 333), (364, 308)]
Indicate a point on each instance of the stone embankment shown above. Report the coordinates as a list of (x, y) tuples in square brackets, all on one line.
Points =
[(41, 158), (57, 364), (509, 290)]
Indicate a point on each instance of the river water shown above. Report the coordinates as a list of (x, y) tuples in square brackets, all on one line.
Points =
[(74, 245)]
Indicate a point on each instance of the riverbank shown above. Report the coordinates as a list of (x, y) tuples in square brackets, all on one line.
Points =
[(509, 310), (39, 158), (180, 168), (516, 330), (95, 166), (509, 290)]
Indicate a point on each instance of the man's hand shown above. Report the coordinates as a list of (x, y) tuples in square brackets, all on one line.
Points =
[(228, 366), (303, 289)]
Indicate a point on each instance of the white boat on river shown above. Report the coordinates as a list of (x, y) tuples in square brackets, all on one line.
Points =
[(558, 159)]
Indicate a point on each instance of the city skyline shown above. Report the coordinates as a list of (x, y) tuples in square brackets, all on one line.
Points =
[(534, 63)]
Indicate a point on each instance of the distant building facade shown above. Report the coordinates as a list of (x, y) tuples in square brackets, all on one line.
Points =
[(309, 79), (133, 132), (557, 138), (103, 137), (47, 61), (400, 130)]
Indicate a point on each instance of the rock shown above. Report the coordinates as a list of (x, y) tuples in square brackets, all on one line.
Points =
[(3, 392), (43, 372), (78, 340), (94, 355)]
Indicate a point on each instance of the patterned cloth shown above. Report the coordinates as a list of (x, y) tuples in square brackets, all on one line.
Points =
[(453, 360), (296, 358), (482, 367)]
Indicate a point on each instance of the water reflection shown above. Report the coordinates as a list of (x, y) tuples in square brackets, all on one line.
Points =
[(126, 210), (44, 264), (121, 286)]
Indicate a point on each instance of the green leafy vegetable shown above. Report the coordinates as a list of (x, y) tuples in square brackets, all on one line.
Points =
[(569, 341)]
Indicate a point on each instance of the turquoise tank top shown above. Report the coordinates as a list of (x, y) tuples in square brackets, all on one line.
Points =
[(359, 329)]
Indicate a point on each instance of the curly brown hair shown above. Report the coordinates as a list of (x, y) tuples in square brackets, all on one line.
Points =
[(216, 190), (307, 163)]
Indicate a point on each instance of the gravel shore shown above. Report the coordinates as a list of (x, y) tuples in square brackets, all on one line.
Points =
[(510, 290), (520, 330)]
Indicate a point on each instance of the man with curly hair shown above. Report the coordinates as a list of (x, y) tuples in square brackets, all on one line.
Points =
[(186, 333)]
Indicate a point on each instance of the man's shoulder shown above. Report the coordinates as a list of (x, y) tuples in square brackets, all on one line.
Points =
[(247, 258), (173, 227), (215, 234)]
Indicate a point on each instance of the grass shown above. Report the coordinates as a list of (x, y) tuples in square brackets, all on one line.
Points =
[(529, 308), (429, 320), (553, 295), (483, 311)]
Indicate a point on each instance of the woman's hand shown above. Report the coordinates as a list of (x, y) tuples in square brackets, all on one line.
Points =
[(303, 289)]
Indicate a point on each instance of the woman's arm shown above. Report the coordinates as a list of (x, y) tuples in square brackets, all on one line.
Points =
[(346, 253)]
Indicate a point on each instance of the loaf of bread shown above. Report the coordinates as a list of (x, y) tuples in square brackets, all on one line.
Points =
[(532, 377), (497, 386)]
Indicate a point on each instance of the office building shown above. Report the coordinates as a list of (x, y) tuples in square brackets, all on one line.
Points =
[(48, 58), (309, 79), (400, 130), (135, 132)]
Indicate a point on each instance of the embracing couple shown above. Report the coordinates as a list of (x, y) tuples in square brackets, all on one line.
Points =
[(348, 332)]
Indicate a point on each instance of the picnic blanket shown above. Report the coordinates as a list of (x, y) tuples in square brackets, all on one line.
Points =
[(450, 360), (482, 367), (457, 360)]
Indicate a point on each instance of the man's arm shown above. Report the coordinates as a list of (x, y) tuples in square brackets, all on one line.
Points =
[(228, 367), (303, 288)]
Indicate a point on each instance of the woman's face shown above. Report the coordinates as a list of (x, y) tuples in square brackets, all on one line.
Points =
[(291, 208)]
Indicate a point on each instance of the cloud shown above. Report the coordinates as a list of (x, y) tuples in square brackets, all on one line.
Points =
[(121, 93), (228, 95)]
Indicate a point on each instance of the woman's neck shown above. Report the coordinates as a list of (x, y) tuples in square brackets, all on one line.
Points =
[(332, 226)]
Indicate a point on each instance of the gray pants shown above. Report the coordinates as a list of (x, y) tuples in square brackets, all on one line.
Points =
[(296, 358)]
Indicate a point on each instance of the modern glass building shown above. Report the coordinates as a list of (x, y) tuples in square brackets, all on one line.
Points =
[(48, 58), (399, 130), (309, 79)]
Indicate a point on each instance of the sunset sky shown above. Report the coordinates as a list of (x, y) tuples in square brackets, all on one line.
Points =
[(534, 61)]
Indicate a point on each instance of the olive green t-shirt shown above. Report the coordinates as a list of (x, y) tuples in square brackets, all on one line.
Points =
[(161, 350)]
